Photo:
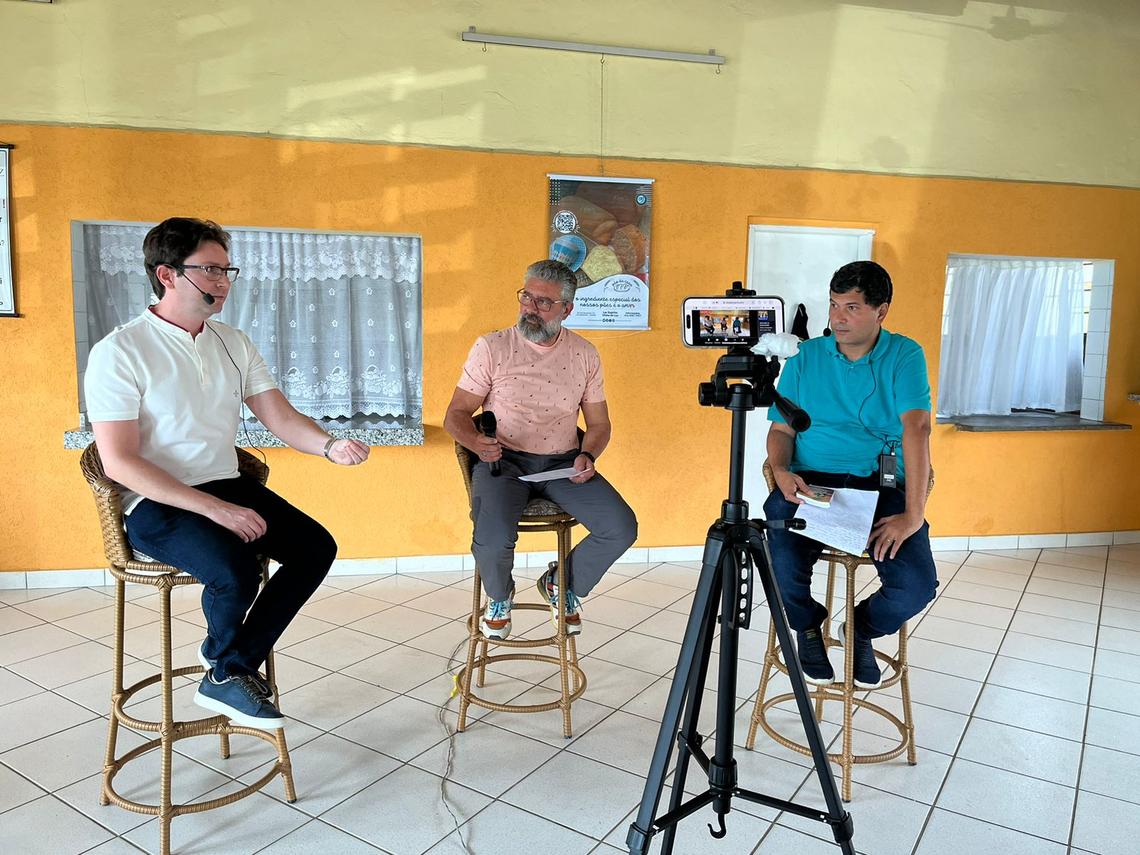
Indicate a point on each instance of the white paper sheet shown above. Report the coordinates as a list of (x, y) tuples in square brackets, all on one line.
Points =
[(846, 524), (552, 475)]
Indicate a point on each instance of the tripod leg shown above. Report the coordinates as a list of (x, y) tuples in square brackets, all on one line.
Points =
[(694, 694), (839, 819), (722, 767), (698, 635)]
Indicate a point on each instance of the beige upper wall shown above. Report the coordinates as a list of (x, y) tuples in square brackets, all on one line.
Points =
[(1043, 90)]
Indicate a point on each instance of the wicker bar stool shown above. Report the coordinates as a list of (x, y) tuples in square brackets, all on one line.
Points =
[(895, 672), (127, 566), (539, 515)]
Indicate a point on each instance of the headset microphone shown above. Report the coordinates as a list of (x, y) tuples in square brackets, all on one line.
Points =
[(208, 299), (488, 425)]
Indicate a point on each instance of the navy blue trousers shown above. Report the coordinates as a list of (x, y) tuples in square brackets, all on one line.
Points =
[(242, 624), (908, 581)]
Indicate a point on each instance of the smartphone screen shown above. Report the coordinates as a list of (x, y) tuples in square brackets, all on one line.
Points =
[(728, 321)]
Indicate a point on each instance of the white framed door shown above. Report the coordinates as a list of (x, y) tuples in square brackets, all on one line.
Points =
[(794, 263)]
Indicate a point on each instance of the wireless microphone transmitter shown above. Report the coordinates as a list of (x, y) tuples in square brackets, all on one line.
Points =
[(888, 470)]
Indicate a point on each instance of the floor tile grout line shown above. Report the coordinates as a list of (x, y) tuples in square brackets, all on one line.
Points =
[(969, 719), (93, 588), (57, 650), (43, 792), (999, 653), (1085, 727), (998, 825), (317, 819)]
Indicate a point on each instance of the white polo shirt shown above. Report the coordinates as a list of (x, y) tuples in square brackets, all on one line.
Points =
[(184, 390)]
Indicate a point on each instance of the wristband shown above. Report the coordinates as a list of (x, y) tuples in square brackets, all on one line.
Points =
[(329, 445), (593, 459)]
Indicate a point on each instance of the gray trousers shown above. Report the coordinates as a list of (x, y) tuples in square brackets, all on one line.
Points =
[(497, 505)]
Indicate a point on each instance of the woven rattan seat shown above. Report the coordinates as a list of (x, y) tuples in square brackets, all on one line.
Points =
[(895, 672), (539, 515), (127, 566)]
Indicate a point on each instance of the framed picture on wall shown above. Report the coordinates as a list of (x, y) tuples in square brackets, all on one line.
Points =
[(600, 228), (7, 288)]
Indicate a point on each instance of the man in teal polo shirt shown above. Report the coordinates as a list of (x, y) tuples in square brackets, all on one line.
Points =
[(868, 396)]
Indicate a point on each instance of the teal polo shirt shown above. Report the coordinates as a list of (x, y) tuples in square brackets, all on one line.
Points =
[(855, 407)]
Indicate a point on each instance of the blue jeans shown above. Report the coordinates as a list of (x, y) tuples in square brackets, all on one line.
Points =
[(908, 580), (242, 624)]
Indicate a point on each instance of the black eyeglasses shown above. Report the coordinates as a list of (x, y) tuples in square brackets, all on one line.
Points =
[(543, 304), (212, 272)]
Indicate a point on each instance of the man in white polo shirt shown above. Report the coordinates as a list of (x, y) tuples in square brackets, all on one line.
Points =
[(535, 377), (164, 394)]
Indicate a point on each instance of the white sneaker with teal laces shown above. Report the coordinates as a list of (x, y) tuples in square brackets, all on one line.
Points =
[(548, 587), (496, 620)]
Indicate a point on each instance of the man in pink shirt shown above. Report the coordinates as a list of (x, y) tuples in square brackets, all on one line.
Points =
[(535, 377)]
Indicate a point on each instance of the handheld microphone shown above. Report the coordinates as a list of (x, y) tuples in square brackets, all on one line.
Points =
[(826, 332), (488, 425), (208, 299)]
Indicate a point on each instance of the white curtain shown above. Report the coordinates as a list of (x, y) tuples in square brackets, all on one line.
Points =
[(1012, 336), (336, 317)]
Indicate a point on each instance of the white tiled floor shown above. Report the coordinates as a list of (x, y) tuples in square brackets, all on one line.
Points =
[(1025, 677)]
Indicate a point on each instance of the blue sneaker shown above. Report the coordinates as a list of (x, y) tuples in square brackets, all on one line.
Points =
[(812, 652), (496, 620), (865, 669), (239, 699), (548, 587), (209, 664)]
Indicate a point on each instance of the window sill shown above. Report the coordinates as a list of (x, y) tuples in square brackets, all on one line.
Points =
[(370, 430), (1028, 422)]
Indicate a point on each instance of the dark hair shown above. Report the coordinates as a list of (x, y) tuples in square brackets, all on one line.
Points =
[(867, 277), (555, 272), (174, 240)]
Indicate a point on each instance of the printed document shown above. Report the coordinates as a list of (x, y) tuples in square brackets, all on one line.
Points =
[(552, 475), (846, 524)]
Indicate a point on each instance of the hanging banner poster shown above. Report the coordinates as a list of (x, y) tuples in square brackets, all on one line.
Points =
[(600, 228), (7, 292)]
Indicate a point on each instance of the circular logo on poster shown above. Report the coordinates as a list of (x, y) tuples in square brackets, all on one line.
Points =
[(565, 222), (623, 284)]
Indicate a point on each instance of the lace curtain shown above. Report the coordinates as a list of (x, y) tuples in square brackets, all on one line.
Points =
[(336, 317), (1012, 336)]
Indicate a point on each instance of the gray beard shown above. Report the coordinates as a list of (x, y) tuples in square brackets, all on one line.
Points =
[(534, 329)]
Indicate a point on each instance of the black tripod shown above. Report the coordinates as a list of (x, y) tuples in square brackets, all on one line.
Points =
[(734, 545)]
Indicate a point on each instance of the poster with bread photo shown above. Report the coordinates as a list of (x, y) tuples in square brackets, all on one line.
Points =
[(600, 228)]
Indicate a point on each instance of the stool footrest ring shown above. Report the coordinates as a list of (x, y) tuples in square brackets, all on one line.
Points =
[(109, 772), (825, 695), (481, 661)]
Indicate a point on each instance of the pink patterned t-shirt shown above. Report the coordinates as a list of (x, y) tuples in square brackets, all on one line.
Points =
[(535, 392)]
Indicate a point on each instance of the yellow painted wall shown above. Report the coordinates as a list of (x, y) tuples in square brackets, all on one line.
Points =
[(1038, 90), (482, 217)]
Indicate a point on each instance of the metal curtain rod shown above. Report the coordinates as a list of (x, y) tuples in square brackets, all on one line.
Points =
[(710, 58)]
